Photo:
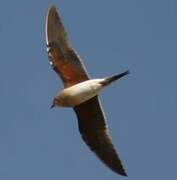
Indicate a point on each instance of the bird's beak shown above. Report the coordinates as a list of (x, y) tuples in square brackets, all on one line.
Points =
[(52, 106)]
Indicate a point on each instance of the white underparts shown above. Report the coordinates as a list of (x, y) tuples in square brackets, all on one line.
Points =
[(79, 93)]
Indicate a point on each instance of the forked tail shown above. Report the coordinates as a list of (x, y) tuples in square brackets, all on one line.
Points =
[(110, 79)]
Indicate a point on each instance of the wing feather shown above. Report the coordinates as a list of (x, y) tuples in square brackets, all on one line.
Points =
[(63, 58), (92, 126)]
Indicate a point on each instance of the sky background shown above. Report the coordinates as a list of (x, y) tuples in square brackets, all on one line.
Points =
[(37, 143)]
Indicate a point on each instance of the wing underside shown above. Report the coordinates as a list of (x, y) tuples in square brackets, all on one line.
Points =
[(92, 127), (63, 58)]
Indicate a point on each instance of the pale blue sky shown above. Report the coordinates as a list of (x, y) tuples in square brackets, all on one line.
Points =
[(111, 36)]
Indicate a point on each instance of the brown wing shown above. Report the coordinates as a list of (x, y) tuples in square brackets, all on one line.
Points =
[(92, 127), (63, 58)]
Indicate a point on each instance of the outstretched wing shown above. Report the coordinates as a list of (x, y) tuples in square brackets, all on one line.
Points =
[(64, 60), (92, 126), (69, 67)]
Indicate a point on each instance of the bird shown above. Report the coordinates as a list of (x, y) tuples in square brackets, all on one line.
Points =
[(80, 92)]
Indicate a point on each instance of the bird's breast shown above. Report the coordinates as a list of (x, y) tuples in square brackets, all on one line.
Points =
[(79, 93)]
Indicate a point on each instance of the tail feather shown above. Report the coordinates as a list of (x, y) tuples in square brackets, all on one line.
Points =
[(110, 79)]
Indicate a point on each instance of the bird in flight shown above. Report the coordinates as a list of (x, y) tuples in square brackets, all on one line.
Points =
[(80, 92)]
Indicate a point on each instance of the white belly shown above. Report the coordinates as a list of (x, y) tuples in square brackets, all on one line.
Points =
[(79, 93)]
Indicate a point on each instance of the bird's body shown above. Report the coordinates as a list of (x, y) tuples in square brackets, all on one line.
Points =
[(80, 92)]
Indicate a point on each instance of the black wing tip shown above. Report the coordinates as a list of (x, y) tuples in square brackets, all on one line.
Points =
[(123, 173), (119, 170)]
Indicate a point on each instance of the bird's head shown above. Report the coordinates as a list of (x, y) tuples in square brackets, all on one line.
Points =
[(57, 101)]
